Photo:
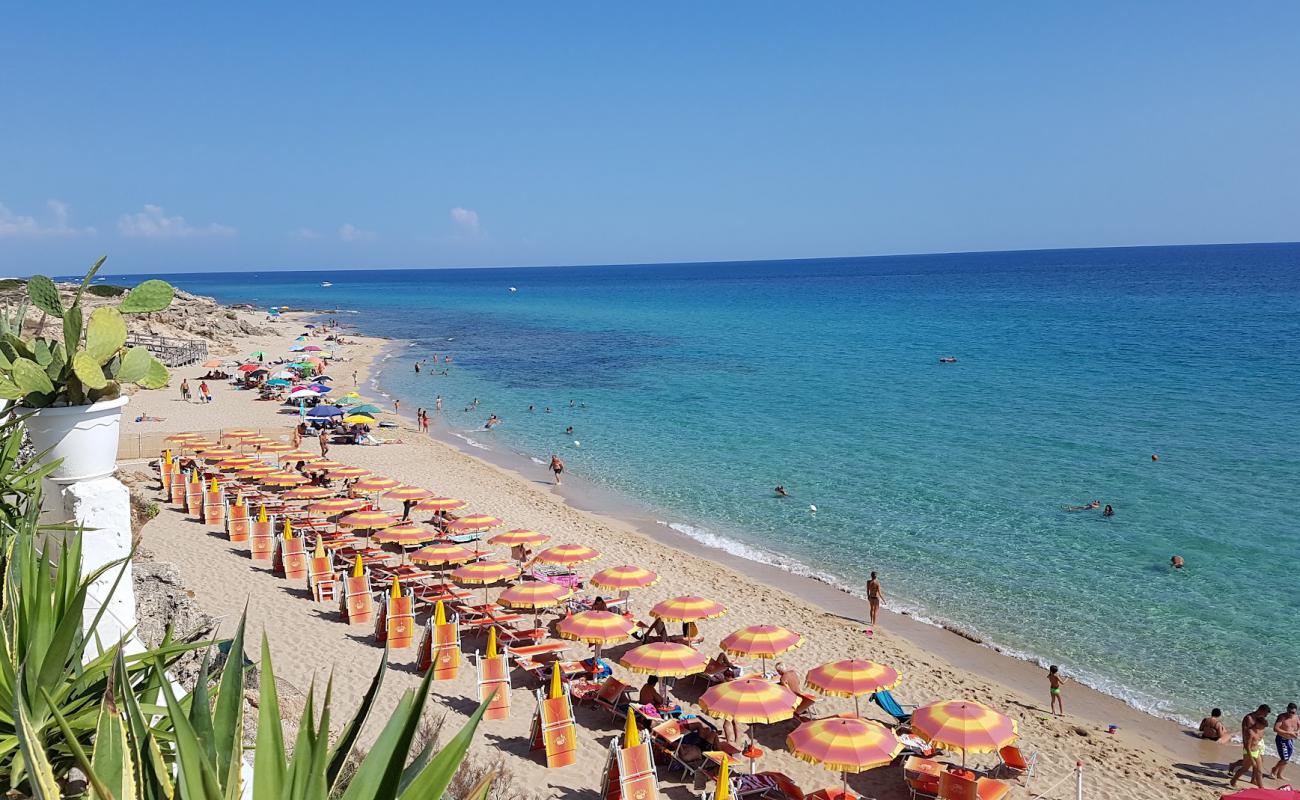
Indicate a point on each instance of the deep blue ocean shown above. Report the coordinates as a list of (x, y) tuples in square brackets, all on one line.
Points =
[(698, 387)]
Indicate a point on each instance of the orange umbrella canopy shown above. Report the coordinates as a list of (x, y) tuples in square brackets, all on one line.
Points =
[(405, 534), (687, 608), (567, 554), (375, 483), (595, 627), (256, 441), (346, 472), (373, 519), (534, 594), (326, 464), (283, 479), (965, 725), (336, 505), (217, 453), (257, 471), (844, 744), (239, 433), (852, 678), (199, 445), (624, 578), (474, 522), (408, 493), (485, 572), (666, 659), (238, 462), (441, 553), (307, 493), (277, 447), (296, 455), (183, 437), (517, 536), (761, 641), (750, 700), (440, 504)]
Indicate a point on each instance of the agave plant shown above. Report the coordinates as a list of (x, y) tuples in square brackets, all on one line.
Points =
[(90, 362), (127, 762)]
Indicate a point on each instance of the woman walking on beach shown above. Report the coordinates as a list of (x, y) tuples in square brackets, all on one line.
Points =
[(874, 596), (324, 443), (557, 466)]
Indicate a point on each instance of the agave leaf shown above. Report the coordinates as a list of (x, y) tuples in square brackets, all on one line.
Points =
[(135, 365), (483, 789), (152, 295), (268, 757), (194, 774), (380, 772), (436, 777), (45, 295), (112, 761), (156, 376), (352, 729), (99, 789), (228, 713), (105, 333), (88, 370), (40, 772)]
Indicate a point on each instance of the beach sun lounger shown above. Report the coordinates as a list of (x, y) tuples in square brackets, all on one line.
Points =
[(892, 707), (922, 776), (494, 683), (440, 649), (953, 786), (1014, 764), (554, 730)]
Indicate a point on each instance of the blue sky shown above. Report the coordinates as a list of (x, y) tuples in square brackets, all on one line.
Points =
[(253, 136)]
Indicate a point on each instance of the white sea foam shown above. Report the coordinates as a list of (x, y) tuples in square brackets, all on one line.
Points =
[(467, 440)]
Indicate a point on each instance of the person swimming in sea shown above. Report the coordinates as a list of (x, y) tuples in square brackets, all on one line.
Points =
[(1109, 512), (781, 492), (1088, 507), (569, 430)]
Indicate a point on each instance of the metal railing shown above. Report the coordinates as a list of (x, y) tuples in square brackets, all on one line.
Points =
[(171, 351), (137, 446)]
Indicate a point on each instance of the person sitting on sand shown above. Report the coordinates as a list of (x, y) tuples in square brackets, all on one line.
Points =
[(658, 699), (790, 679), (1212, 728)]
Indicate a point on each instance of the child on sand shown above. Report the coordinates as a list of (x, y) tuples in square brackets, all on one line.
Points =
[(1054, 682)]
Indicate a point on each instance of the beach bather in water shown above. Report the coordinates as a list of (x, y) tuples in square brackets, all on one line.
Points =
[(1089, 507)]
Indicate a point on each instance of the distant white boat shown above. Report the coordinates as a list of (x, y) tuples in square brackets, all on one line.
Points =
[(513, 290), (326, 283)]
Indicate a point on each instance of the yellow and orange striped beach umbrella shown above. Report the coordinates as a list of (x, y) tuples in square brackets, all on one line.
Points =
[(687, 608), (374, 519), (276, 447), (485, 572), (326, 464), (761, 641), (844, 745), (408, 493), (183, 437), (255, 471), (346, 472), (965, 725), (255, 441), (595, 627), (518, 536), (199, 445), (567, 554), (748, 700), (534, 594), (474, 522), (282, 479), (239, 433), (442, 553), (307, 493), (375, 483), (218, 453), (238, 462), (624, 578), (296, 455), (336, 505), (440, 504), (665, 659), (852, 678), (405, 534)]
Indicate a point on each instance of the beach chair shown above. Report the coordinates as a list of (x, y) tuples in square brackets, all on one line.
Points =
[(194, 496), (179, 481), (166, 468), (494, 684), (237, 521), (357, 605), (290, 557), (440, 649), (636, 773), (765, 785), (261, 533), (921, 775), (667, 738), (395, 623), (954, 786), (892, 707), (614, 696), (321, 578), (554, 730), (214, 505), (1014, 764)]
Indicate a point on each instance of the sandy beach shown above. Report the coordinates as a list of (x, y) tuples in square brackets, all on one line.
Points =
[(1145, 758)]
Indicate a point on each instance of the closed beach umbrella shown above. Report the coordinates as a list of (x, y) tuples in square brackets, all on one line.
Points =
[(474, 522), (567, 554), (665, 659), (440, 504), (442, 553), (406, 534), (307, 493), (595, 627), (375, 483), (965, 725), (844, 745), (687, 608), (336, 505), (518, 536), (852, 678), (534, 595), (624, 578), (282, 479), (405, 493)]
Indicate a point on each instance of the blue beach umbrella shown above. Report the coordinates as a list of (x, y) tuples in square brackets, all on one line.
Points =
[(293, 348), (325, 411), (277, 382)]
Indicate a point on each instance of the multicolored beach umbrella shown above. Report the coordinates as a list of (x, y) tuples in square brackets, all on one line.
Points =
[(336, 505), (282, 479), (749, 700), (276, 447), (474, 522), (485, 572), (218, 453), (665, 659), (183, 437), (440, 504), (687, 608), (595, 627), (296, 455), (373, 519), (518, 536), (844, 745), (407, 534), (236, 463), (346, 472), (256, 471), (442, 553), (964, 725), (567, 554), (408, 493), (534, 595), (761, 641), (199, 445), (375, 483), (239, 433), (326, 464), (307, 493), (624, 578), (852, 678)]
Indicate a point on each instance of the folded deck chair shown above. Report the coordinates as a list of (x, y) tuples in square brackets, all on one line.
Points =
[(321, 578), (554, 730), (636, 773), (357, 605), (440, 649), (892, 707), (395, 624), (494, 683), (290, 558)]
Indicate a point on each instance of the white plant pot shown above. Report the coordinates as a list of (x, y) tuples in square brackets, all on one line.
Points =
[(85, 437)]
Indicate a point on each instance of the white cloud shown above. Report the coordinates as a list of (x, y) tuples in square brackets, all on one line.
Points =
[(467, 220), (304, 233), (153, 223), (351, 233), (21, 226)]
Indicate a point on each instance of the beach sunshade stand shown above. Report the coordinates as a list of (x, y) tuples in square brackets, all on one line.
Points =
[(854, 678), (965, 725)]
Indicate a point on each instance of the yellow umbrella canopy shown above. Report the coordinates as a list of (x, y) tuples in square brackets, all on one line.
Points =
[(408, 493), (852, 678), (276, 447), (307, 493), (199, 445), (336, 505), (238, 462), (517, 536), (325, 464), (473, 522), (844, 745), (624, 578), (239, 433), (441, 553), (405, 534), (255, 441), (373, 519), (485, 572), (296, 455), (761, 641), (567, 554), (218, 453), (346, 472), (283, 479), (595, 627), (440, 504), (666, 659), (965, 725), (687, 608), (256, 471), (748, 700), (375, 483), (183, 437), (534, 594)]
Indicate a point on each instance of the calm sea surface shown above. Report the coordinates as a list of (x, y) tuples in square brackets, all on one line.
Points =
[(698, 387)]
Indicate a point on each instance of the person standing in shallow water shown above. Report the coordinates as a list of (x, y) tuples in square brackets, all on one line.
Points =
[(557, 467)]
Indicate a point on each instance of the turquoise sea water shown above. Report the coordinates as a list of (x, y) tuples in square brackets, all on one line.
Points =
[(698, 387)]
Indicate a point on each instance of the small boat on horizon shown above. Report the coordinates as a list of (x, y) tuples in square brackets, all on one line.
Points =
[(326, 284)]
